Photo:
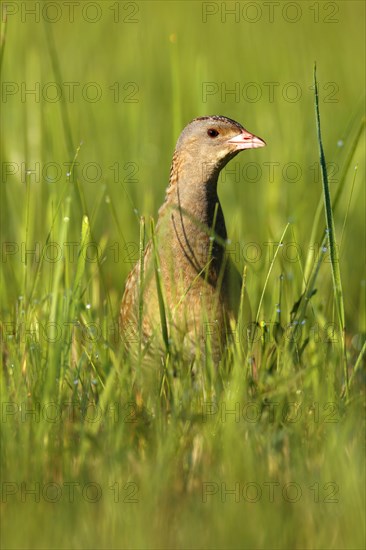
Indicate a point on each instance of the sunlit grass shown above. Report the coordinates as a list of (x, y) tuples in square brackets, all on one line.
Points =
[(151, 457)]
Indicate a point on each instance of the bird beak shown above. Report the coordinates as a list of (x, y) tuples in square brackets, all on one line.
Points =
[(246, 140)]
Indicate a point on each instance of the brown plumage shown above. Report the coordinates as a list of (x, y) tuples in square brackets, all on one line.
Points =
[(201, 286)]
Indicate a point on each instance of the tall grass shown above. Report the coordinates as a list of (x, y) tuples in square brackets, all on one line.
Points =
[(330, 231), (264, 451)]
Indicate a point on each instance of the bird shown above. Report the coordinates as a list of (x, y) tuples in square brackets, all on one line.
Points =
[(184, 295)]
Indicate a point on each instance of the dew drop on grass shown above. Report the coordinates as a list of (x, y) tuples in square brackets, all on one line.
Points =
[(66, 219), (107, 199), (340, 143), (88, 306), (76, 382)]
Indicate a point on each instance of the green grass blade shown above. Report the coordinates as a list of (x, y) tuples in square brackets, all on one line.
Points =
[(330, 228), (269, 272), (57, 275), (348, 208), (159, 288), (3, 29), (80, 266), (141, 281), (58, 76), (337, 196), (358, 363)]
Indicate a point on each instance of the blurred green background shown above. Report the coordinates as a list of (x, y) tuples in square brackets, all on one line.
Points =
[(111, 85), (139, 74)]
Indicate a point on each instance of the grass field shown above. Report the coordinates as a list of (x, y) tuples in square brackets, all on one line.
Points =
[(94, 454)]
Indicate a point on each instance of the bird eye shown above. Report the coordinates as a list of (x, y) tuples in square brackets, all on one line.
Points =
[(212, 133)]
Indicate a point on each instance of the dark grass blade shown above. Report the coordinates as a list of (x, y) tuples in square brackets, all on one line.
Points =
[(337, 196), (331, 236)]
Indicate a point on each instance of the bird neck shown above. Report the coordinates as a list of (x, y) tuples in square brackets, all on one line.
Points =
[(192, 191), (192, 210)]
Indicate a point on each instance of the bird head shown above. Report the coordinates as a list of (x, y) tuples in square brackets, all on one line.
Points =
[(214, 140)]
